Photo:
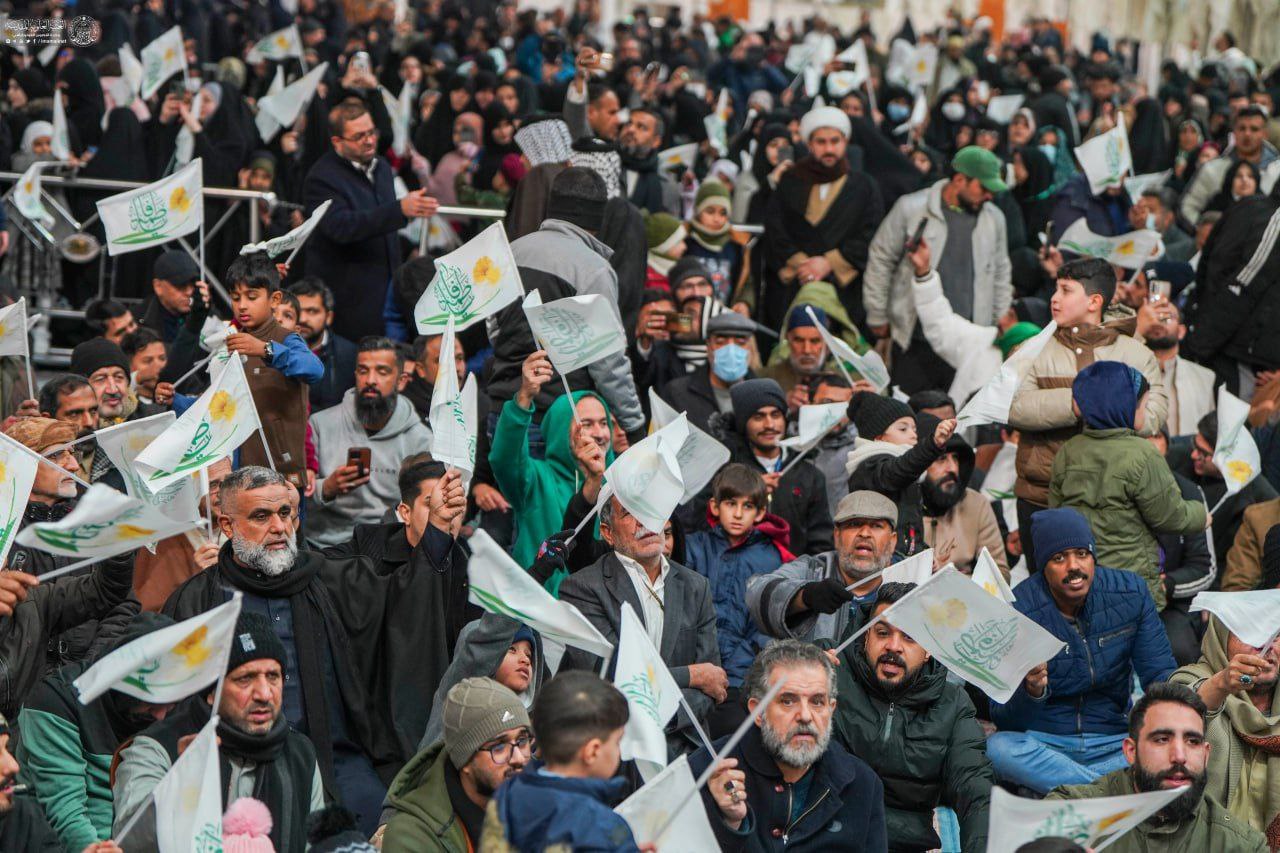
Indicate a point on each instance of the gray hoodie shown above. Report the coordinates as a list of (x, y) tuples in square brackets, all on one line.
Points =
[(335, 430)]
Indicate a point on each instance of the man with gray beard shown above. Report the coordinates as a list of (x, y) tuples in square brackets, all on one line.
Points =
[(353, 631), (787, 785), (819, 597)]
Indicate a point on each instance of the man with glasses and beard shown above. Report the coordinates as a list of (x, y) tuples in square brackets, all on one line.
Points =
[(958, 521), (350, 629), (893, 694), (786, 784), (372, 415), (1166, 748)]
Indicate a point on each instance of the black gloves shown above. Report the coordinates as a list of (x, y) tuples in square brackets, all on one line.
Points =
[(826, 596), (551, 556)]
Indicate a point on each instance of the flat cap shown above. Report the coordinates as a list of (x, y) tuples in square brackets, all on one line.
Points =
[(866, 504)]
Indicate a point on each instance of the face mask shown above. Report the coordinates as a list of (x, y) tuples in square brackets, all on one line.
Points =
[(1151, 222), (729, 362), (898, 112), (952, 111), (1049, 151)]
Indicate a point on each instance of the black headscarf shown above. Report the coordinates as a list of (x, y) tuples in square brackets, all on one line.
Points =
[(1149, 138), (85, 105), (1224, 199), (1035, 195), (33, 83), (491, 157), (434, 137), (884, 161), (760, 165)]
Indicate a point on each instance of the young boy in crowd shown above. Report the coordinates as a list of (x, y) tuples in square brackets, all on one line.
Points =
[(286, 313), (711, 240), (1118, 481), (744, 540), (1042, 405), (562, 801), (278, 368), (664, 235)]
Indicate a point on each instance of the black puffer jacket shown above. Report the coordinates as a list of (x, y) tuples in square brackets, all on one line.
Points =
[(924, 743)]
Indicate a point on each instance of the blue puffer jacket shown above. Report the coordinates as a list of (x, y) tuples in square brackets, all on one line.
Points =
[(534, 811), (728, 568), (1117, 632)]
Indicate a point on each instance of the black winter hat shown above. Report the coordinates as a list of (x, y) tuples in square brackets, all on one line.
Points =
[(752, 395), (254, 640), (873, 413), (578, 196), (95, 354)]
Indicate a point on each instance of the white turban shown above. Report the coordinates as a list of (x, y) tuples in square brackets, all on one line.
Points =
[(832, 117)]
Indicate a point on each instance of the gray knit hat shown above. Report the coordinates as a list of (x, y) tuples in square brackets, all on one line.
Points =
[(475, 711)]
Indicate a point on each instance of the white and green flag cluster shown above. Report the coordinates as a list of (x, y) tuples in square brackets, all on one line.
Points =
[(652, 694), (149, 216), (161, 59), (294, 240), (575, 331), (453, 412), (1092, 823), (123, 442), (1132, 250), (1106, 158), (18, 467), (103, 524)]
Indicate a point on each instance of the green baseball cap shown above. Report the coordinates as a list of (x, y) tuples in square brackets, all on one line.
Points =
[(976, 162)]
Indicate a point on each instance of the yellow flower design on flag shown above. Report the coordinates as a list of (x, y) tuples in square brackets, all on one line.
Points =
[(195, 648), (222, 407), (282, 42), (169, 55), (4, 330), (29, 187), (1111, 820), (952, 613), (486, 271), (4, 471), (1239, 470), (132, 531), (179, 200), (1125, 248)]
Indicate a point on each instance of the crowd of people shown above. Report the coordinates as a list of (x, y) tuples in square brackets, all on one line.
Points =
[(742, 199)]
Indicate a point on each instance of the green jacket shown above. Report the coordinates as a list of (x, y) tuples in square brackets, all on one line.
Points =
[(925, 745), (422, 820), (1123, 486), (1210, 829), (539, 490)]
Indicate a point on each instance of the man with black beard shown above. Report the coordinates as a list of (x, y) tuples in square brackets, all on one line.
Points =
[(372, 416), (1189, 386), (894, 694), (1167, 748), (958, 521), (643, 182), (353, 631), (787, 780), (336, 353)]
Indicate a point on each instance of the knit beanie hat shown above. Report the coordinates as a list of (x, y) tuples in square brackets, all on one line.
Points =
[(254, 640), (752, 395), (333, 829), (874, 413), (662, 232), (1056, 530), (577, 196), (799, 317), (246, 827), (687, 267), (712, 192), (39, 434), (478, 710), (1014, 335), (95, 354)]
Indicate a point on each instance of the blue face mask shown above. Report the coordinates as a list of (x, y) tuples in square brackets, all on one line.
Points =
[(729, 362), (1049, 151), (898, 112)]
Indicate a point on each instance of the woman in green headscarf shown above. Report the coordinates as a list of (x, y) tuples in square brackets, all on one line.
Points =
[(1244, 734), (1052, 139)]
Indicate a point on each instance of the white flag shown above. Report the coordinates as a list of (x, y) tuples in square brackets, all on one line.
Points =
[(1236, 453), (189, 798), (977, 636), (123, 442), (575, 331), (161, 59), (919, 114), (652, 694), (453, 413), (472, 282), (18, 467), (1106, 158), (500, 586), (13, 328), (216, 424), (294, 239), (1002, 108), (869, 365), (61, 139), (680, 157), (1014, 821), (268, 127), (26, 195), (646, 477), (400, 111), (841, 83), (1135, 185), (915, 569), (717, 124), (700, 457), (855, 55), (923, 64), (815, 423), (648, 810), (171, 207), (986, 574), (991, 404), (286, 105), (103, 524), (1131, 250), (900, 53), (278, 45), (130, 68), (1253, 616), (167, 665)]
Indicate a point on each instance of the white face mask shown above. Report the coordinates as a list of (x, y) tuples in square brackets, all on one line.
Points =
[(952, 111), (1151, 222)]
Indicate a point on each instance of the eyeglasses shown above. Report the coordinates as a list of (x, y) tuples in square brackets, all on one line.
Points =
[(501, 751), (60, 454), (362, 135)]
